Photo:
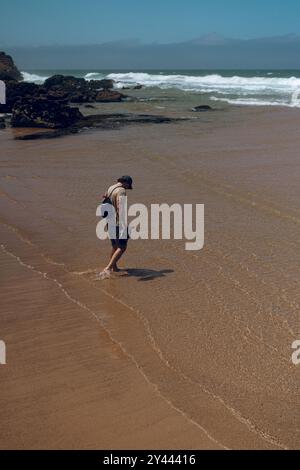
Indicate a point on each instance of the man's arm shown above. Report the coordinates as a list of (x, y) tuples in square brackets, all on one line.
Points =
[(119, 194)]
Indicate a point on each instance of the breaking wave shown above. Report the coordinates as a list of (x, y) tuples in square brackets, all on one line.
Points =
[(31, 77), (208, 82)]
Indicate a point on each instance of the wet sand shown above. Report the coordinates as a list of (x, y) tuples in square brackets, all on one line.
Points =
[(182, 349)]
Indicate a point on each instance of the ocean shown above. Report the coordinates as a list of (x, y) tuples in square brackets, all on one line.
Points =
[(233, 87)]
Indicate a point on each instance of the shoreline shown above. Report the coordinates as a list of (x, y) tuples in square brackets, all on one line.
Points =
[(66, 104)]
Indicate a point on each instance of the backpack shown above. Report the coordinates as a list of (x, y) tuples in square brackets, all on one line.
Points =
[(107, 200)]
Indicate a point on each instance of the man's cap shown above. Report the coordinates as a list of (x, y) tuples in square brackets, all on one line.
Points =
[(126, 179)]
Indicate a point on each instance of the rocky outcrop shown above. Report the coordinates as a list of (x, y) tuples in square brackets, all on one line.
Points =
[(40, 112), (63, 89), (15, 91), (99, 121), (46, 107), (79, 90), (8, 70), (65, 82), (105, 84), (111, 121), (68, 88), (26, 99)]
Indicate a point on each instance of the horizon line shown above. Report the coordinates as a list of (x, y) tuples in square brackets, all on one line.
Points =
[(140, 43)]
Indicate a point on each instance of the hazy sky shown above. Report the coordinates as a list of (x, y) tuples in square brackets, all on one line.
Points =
[(49, 22)]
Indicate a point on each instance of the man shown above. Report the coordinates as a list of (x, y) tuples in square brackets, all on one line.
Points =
[(119, 246)]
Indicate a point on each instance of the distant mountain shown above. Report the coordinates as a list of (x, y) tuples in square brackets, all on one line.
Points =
[(214, 39), (211, 39), (134, 42), (286, 39), (210, 51)]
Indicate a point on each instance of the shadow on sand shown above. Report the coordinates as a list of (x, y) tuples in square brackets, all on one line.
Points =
[(146, 274)]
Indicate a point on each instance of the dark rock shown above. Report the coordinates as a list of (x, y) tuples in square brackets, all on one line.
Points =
[(2, 123), (83, 96), (202, 108), (116, 120), (16, 90), (105, 84), (52, 134), (40, 112), (75, 90), (106, 96), (89, 106), (56, 95), (99, 121), (65, 82), (8, 70), (70, 83), (138, 87)]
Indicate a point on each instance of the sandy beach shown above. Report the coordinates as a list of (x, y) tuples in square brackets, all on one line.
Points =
[(181, 349)]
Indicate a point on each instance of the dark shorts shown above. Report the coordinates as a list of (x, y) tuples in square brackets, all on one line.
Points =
[(119, 243)]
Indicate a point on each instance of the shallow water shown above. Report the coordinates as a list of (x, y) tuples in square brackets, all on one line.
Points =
[(204, 336)]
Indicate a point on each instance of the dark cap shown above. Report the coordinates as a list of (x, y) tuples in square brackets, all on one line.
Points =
[(126, 179)]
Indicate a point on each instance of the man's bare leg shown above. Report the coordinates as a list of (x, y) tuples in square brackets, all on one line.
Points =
[(116, 256), (115, 268), (113, 250)]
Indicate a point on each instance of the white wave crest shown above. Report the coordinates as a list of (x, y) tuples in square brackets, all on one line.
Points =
[(256, 102), (208, 82), (31, 77), (94, 76)]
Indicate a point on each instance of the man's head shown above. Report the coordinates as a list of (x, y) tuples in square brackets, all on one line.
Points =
[(126, 182)]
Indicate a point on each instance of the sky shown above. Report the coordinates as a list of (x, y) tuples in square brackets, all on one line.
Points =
[(80, 22)]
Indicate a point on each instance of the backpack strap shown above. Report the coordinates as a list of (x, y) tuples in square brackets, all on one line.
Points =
[(117, 187)]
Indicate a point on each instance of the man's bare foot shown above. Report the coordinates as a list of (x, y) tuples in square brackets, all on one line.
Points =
[(116, 269), (105, 274), (112, 269)]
